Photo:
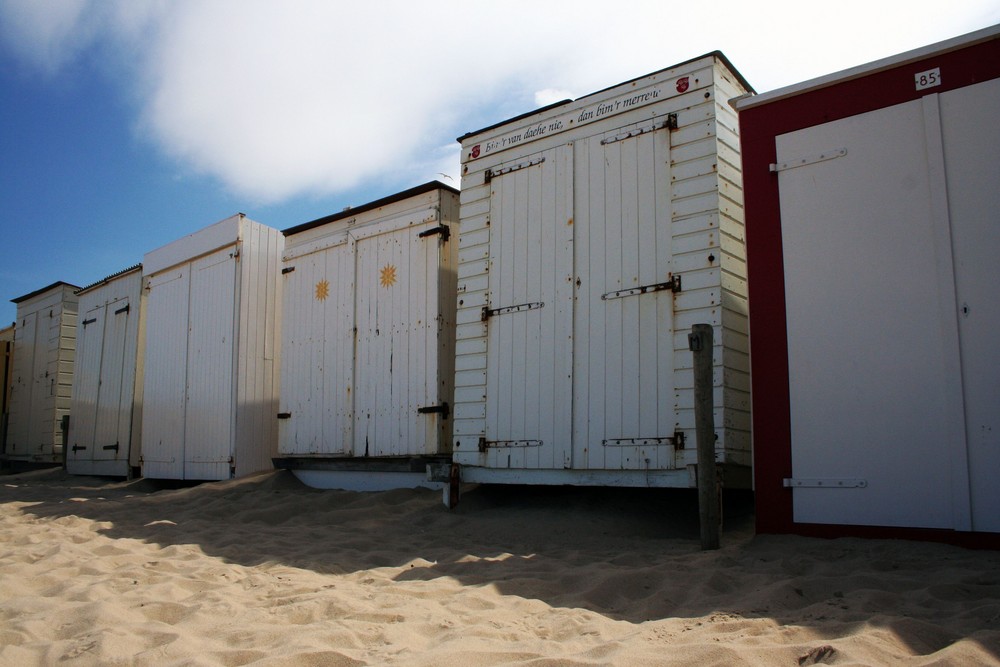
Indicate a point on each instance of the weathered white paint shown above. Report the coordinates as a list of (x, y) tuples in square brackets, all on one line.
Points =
[(368, 330), (211, 355), (890, 278), (564, 210), (42, 377), (102, 430)]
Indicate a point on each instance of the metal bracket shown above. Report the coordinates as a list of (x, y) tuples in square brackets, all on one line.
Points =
[(493, 173), (678, 439), (443, 230), (824, 483), (674, 285), (669, 124), (485, 444), (809, 159), (444, 410), (639, 442), (488, 313)]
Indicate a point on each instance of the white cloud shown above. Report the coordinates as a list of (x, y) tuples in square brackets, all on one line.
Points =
[(47, 34), (301, 97), (548, 96)]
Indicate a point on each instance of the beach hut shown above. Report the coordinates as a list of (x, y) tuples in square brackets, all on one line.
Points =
[(594, 234), (6, 368), (210, 386), (42, 375), (106, 408), (368, 341), (872, 198)]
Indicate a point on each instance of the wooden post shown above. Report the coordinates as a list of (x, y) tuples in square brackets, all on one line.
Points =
[(701, 342)]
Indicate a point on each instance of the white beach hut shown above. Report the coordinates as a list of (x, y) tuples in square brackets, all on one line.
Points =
[(368, 341), (42, 377), (211, 362), (106, 406), (594, 234)]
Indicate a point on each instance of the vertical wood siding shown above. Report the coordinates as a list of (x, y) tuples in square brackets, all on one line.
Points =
[(105, 378), (366, 339), (643, 203)]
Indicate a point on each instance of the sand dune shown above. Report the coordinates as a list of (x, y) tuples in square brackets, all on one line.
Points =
[(265, 571)]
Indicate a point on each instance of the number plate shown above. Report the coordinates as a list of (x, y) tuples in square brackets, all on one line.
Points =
[(928, 79)]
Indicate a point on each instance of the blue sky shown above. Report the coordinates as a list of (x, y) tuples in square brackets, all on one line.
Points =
[(126, 124)]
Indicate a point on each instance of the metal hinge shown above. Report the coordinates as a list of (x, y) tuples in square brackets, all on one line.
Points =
[(824, 483), (284, 415), (669, 124), (488, 312), (677, 437), (287, 269), (90, 321), (443, 230), (485, 444), (109, 448), (674, 285), (809, 159), (493, 173), (442, 409), (78, 448), (124, 309)]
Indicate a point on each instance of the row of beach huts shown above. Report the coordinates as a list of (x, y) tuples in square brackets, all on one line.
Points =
[(532, 328)]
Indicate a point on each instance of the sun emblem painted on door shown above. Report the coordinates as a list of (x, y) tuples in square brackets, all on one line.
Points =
[(388, 275), (322, 290)]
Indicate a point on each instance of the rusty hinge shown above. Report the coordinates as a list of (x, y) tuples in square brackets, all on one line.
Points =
[(287, 269), (444, 410), (677, 440), (443, 230), (485, 444), (490, 312), (674, 285), (490, 174), (670, 124)]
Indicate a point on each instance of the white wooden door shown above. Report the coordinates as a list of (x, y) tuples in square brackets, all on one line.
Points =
[(87, 386), (396, 355), (624, 337), (41, 416), (530, 313), (210, 411), (876, 426), (972, 159), (317, 363), (112, 431), (165, 385)]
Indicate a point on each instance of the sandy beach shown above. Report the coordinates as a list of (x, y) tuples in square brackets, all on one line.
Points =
[(266, 571)]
